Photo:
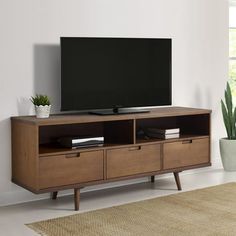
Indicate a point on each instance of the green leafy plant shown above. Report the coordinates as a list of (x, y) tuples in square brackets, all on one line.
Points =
[(40, 99), (229, 113)]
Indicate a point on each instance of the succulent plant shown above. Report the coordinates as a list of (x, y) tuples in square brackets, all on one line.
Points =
[(40, 99), (229, 113)]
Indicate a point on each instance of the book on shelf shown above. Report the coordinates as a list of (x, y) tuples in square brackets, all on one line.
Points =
[(163, 131), (163, 136)]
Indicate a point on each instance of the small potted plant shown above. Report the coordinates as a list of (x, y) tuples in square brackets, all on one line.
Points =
[(42, 105), (228, 144)]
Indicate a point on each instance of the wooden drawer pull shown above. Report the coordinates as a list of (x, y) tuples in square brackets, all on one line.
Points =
[(135, 148), (73, 155), (187, 141)]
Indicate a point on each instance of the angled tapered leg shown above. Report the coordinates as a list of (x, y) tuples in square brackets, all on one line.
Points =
[(153, 178), (54, 195), (177, 180), (77, 198)]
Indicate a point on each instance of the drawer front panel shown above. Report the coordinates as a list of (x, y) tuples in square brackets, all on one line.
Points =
[(134, 160), (186, 153), (70, 169)]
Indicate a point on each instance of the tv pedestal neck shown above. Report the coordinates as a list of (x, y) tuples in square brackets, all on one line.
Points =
[(117, 110), (41, 166)]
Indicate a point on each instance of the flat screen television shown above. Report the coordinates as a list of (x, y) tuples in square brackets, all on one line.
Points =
[(107, 74)]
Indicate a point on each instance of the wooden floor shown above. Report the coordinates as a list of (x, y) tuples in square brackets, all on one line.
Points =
[(13, 218)]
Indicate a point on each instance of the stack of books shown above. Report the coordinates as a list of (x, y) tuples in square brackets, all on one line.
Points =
[(162, 133)]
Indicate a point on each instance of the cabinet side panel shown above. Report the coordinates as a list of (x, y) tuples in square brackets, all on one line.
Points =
[(24, 154)]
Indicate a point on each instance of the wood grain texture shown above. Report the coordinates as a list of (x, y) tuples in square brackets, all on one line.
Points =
[(85, 118), (52, 150), (82, 185), (70, 169), (134, 160), (186, 153), (24, 154), (40, 165)]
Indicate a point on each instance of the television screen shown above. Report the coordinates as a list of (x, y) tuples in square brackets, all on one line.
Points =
[(101, 73)]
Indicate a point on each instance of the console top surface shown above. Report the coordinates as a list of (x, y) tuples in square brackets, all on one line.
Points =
[(58, 119)]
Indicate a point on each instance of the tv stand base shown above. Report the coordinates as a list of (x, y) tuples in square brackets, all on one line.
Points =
[(77, 190), (118, 111), (153, 179), (54, 195), (77, 198), (126, 153), (177, 180)]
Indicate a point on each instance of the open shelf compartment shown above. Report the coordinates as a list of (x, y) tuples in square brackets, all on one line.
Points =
[(194, 126), (114, 133)]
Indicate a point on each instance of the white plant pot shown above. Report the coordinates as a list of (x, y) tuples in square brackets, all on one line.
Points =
[(42, 111), (228, 154)]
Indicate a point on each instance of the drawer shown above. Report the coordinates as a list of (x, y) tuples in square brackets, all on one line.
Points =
[(134, 160), (70, 169), (186, 153)]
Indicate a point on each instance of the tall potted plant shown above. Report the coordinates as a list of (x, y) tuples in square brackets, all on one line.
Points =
[(42, 105), (228, 144)]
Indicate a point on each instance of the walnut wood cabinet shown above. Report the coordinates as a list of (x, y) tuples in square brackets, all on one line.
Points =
[(40, 165)]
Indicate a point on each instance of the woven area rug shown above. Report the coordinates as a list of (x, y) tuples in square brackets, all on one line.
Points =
[(210, 211)]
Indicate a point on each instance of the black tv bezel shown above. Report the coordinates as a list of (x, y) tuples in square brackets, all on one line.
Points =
[(111, 110)]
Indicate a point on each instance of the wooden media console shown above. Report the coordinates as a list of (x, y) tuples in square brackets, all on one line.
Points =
[(40, 165)]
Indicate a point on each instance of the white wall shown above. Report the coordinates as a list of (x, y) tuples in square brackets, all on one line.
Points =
[(29, 54)]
